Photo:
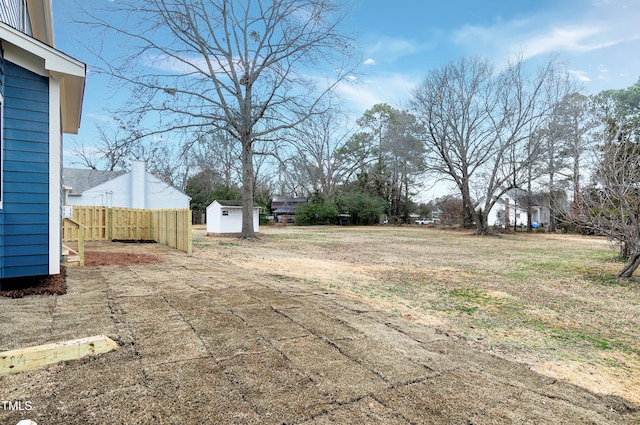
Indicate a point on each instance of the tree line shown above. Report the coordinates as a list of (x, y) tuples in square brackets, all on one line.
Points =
[(223, 103)]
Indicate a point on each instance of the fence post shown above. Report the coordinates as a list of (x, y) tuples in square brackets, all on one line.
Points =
[(109, 223)]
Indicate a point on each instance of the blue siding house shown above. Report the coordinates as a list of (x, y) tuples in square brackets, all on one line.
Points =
[(41, 93)]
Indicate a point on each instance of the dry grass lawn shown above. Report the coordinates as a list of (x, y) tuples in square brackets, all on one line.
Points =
[(549, 301)]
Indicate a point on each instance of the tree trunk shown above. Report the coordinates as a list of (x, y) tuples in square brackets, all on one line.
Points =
[(552, 206), (248, 232), (482, 224), (632, 262), (529, 200)]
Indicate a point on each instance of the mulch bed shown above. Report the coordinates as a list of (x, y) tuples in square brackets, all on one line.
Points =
[(18, 287), (100, 258), (57, 284)]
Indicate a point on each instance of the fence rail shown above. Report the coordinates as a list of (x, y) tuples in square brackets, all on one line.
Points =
[(167, 227)]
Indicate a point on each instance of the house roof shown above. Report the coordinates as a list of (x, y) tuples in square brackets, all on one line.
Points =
[(285, 210), (536, 200), (282, 201), (80, 180), (68, 71)]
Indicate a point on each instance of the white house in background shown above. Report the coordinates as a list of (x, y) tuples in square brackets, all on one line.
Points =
[(226, 217), (517, 212), (498, 214), (134, 189)]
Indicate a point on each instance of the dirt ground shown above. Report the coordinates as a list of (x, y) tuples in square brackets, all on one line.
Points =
[(229, 336)]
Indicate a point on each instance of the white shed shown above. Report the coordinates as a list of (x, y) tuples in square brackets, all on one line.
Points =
[(226, 217)]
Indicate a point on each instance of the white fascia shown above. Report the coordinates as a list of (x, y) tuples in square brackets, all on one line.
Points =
[(44, 60)]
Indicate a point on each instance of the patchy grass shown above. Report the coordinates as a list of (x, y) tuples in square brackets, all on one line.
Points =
[(544, 299)]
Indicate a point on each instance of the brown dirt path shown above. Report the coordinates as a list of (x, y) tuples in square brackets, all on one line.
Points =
[(208, 342)]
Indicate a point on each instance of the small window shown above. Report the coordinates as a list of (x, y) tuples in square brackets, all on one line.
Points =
[(225, 212)]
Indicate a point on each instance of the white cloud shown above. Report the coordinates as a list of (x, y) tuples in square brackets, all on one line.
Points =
[(394, 89), (393, 48), (579, 75), (568, 39), (369, 61), (556, 30), (100, 117), (588, 38), (520, 37)]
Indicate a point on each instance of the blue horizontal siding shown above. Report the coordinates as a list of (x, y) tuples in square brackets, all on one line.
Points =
[(29, 219), (26, 125), (34, 168), (23, 251), (26, 260), (22, 135), (13, 177), (19, 155), (30, 192), (27, 270), (33, 229), (29, 146), (24, 104), (25, 215), (34, 116), (22, 239)]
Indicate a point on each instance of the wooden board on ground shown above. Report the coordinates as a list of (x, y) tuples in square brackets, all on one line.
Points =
[(29, 358)]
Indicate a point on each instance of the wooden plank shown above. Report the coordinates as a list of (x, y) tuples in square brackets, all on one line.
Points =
[(30, 358), (170, 227)]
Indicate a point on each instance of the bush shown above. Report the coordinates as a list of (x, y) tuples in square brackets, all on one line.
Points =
[(317, 211), (363, 208)]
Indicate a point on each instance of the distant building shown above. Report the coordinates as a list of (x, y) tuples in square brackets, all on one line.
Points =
[(225, 217), (507, 211), (134, 189), (286, 207)]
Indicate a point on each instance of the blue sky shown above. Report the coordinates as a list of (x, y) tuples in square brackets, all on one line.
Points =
[(402, 40), (599, 40)]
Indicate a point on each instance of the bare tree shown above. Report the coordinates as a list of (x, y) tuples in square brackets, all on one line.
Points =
[(573, 123), (244, 67), (477, 126), (218, 151), (168, 160), (113, 148), (611, 204), (316, 161)]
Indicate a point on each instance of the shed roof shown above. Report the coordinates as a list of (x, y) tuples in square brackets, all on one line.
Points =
[(229, 203)]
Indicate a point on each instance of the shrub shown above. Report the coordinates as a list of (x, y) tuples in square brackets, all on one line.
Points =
[(317, 211)]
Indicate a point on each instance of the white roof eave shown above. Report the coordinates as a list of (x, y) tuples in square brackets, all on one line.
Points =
[(69, 71)]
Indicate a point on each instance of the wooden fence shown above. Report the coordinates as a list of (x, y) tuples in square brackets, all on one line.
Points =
[(167, 227)]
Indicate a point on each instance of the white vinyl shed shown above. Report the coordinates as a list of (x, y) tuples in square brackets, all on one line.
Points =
[(224, 217)]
